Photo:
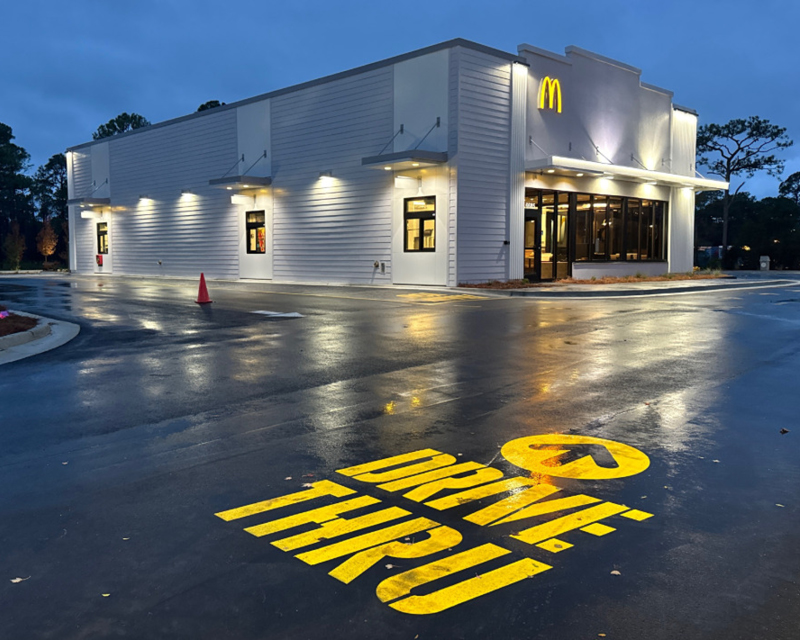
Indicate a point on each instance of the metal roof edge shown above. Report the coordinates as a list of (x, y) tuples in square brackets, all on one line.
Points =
[(572, 49), (543, 52), (652, 87), (447, 44), (678, 107)]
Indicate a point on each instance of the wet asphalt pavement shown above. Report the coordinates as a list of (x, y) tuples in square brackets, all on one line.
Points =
[(118, 449)]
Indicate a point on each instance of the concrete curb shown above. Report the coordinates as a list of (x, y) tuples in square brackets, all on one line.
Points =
[(48, 334), (626, 293), (23, 337)]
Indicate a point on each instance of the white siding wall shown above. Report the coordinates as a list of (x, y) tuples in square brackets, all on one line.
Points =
[(190, 233), (684, 140), (332, 229), (420, 97), (681, 230), (516, 213), (253, 129), (82, 230), (681, 209), (453, 86), (484, 149)]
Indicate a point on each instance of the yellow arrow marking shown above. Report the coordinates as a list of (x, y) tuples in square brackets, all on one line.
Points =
[(629, 461)]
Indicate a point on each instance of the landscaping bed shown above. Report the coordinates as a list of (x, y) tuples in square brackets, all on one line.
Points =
[(15, 324), (526, 284)]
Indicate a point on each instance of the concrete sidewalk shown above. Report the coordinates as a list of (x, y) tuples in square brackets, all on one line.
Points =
[(628, 289)]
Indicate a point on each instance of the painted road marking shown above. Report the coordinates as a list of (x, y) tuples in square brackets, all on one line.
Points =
[(426, 473), (338, 527), (486, 491), (550, 506), (544, 461), (559, 526), (362, 542), (280, 314), (554, 545), (598, 529), (318, 516), (319, 489), (400, 586), (441, 538), (635, 514)]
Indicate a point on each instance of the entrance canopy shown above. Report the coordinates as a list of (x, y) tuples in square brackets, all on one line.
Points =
[(576, 168)]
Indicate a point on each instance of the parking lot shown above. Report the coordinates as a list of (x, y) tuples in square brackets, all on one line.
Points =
[(389, 463)]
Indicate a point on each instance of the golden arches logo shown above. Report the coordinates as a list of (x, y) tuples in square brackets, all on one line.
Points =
[(550, 89)]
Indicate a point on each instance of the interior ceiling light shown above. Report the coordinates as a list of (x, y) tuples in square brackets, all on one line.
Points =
[(551, 171), (579, 175)]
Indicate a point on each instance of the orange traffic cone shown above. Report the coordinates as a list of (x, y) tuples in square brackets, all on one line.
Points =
[(202, 294)]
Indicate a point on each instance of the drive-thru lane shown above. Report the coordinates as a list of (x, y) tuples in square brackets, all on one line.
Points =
[(395, 465)]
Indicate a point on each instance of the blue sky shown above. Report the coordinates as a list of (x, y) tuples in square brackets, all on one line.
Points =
[(70, 66)]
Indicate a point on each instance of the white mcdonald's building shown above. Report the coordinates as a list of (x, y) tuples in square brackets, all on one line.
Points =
[(450, 164)]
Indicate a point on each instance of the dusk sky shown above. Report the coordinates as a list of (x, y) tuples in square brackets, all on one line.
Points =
[(70, 66)]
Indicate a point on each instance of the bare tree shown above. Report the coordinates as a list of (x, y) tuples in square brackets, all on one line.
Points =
[(740, 148)]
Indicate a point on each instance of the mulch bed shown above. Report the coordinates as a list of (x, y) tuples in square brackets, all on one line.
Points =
[(14, 323), (523, 284)]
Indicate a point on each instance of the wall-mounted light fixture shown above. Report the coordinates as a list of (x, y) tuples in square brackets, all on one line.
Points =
[(187, 192), (608, 176), (145, 199), (326, 174), (578, 175), (652, 183), (551, 171)]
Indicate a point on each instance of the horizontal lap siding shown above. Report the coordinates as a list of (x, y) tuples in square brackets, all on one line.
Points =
[(452, 152), (484, 151), (84, 228), (187, 234), (335, 231)]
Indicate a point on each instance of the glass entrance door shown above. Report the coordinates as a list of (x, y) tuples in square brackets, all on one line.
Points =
[(530, 269), (546, 236)]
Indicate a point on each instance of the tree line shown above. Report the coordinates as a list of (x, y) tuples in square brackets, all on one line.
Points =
[(34, 220), (733, 229)]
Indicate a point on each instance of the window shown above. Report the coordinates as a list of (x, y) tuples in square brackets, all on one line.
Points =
[(600, 227), (616, 229), (420, 223), (660, 233), (582, 222), (632, 229), (102, 237), (255, 232), (646, 230)]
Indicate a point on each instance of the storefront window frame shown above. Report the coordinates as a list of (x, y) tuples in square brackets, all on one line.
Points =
[(102, 238), (261, 244), (420, 217)]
